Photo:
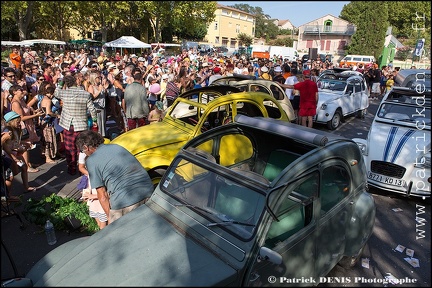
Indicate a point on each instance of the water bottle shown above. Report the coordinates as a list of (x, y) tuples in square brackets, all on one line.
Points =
[(50, 233)]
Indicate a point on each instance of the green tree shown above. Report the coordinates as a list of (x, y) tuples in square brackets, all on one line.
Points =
[(286, 41), (17, 15), (245, 39), (262, 27), (371, 20)]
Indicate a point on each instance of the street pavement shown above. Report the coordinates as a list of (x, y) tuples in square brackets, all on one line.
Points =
[(27, 243)]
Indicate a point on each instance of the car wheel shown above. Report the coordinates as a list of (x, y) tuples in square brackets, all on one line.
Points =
[(156, 176), (348, 262), (362, 113), (335, 121)]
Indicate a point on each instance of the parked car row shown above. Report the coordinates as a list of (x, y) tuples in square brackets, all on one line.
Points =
[(241, 194), (254, 200)]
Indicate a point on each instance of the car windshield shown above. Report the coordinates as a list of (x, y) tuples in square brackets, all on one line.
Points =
[(410, 114), (331, 84), (225, 202)]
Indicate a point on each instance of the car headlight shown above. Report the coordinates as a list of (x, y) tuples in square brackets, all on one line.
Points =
[(363, 148), (423, 162), (323, 106)]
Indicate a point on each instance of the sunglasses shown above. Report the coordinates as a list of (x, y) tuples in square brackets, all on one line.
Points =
[(11, 76), (41, 79)]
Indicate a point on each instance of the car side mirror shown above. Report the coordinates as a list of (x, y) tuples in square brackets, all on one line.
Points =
[(267, 254)]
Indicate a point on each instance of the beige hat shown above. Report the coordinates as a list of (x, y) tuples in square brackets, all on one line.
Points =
[(205, 64), (117, 71)]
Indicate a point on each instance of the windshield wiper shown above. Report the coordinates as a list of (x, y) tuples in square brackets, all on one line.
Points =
[(196, 207), (229, 222)]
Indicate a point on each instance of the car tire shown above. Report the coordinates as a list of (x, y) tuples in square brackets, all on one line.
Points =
[(335, 121), (348, 262), (156, 176), (362, 113)]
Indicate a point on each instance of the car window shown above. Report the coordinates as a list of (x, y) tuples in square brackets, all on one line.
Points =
[(367, 60), (332, 84), (277, 92), (259, 88), (248, 108), (335, 186), (405, 113), (295, 211), (218, 198), (358, 59)]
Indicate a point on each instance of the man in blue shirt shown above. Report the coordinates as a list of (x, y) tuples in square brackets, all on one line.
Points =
[(121, 182)]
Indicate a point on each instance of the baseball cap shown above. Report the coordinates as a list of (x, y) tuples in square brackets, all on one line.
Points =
[(133, 56), (277, 69), (306, 73), (141, 59), (264, 69), (217, 69)]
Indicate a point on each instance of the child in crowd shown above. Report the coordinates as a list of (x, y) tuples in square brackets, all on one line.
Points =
[(90, 195)]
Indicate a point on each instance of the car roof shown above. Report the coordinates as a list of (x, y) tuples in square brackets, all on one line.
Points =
[(286, 129), (222, 89)]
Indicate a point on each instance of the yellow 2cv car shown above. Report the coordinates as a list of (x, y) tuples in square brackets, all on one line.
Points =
[(191, 114)]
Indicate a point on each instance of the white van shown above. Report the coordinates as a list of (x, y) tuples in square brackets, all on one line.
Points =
[(349, 60), (286, 52)]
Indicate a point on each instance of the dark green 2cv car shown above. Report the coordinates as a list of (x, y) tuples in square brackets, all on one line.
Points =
[(251, 203)]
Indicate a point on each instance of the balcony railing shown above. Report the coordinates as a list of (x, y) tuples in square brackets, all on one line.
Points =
[(328, 30)]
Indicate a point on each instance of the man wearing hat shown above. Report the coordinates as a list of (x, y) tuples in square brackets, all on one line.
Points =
[(217, 73), (278, 75), (308, 98), (264, 73), (141, 64)]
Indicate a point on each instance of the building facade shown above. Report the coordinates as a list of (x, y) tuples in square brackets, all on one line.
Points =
[(329, 34), (227, 24)]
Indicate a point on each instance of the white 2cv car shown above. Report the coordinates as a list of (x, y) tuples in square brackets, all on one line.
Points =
[(397, 151), (340, 95)]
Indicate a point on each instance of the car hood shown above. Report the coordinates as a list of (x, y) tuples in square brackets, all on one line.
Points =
[(139, 249), (397, 143), (324, 97), (151, 136)]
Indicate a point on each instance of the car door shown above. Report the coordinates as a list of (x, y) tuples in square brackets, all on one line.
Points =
[(334, 215), (291, 236)]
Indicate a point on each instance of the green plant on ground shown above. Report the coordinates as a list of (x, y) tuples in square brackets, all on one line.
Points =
[(61, 212)]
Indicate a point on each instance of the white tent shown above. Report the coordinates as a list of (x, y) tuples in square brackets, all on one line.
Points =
[(11, 43), (42, 41), (127, 42)]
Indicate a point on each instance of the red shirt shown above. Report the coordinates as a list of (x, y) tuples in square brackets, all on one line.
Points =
[(308, 90)]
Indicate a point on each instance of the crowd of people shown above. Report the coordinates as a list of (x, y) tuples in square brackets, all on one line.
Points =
[(51, 100)]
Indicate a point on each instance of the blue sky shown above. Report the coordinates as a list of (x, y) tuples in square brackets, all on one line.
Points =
[(298, 12)]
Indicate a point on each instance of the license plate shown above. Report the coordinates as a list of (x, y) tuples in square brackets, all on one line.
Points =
[(385, 179)]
